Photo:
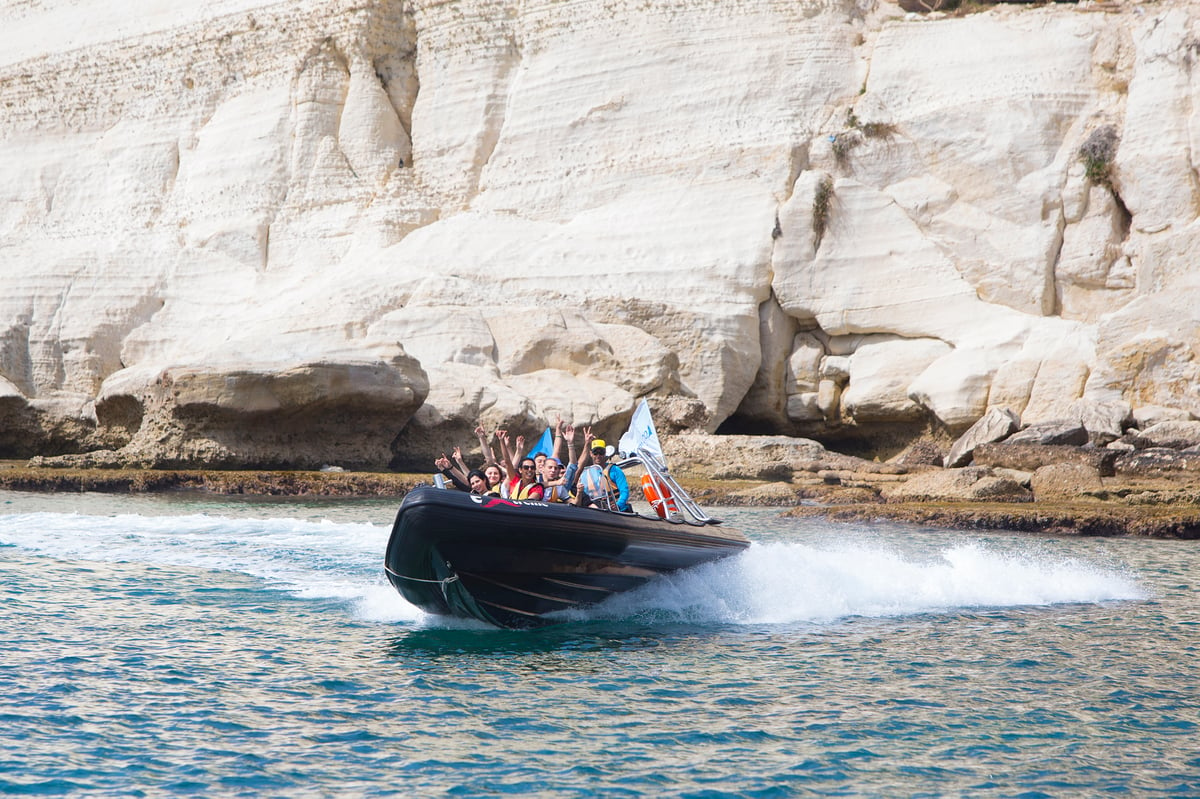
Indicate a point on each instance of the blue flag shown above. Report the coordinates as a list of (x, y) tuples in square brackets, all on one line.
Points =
[(544, 445)]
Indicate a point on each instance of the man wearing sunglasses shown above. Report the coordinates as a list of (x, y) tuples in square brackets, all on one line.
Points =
[(603, 484), (525, 485)]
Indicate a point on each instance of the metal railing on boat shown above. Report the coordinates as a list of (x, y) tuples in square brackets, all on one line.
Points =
[(662, 477)]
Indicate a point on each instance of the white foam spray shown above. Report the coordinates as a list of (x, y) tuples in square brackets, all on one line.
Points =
[(313, 560), (775, 583), (792, 582)]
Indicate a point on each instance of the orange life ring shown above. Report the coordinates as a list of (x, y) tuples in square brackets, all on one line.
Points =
[(659, 497)]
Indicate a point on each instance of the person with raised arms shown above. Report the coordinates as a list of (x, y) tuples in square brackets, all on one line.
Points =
[(522, 484)]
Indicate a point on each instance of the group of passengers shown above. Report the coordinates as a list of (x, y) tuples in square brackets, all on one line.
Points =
[(543, 475)]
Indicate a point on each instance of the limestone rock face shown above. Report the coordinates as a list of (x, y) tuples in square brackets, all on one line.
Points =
[(884, 368), (219, 222)]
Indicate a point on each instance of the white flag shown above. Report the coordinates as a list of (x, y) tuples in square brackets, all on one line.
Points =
[(641, 434)]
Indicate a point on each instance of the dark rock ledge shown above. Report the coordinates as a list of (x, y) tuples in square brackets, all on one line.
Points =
[(1055, 519), (265, 483)]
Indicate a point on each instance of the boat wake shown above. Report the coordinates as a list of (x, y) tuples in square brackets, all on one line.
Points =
[(318, 560), (783, 583), (775, 583)]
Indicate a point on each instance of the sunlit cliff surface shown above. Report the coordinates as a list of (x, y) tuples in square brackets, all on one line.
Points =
[(302, 233)]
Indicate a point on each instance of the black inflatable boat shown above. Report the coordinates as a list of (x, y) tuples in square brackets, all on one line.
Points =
[(512, 562)]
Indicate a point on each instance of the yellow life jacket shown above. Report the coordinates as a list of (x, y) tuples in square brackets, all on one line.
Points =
[(526, 491)]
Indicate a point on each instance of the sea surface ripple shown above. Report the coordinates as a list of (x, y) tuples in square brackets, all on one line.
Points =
[(181, 645)]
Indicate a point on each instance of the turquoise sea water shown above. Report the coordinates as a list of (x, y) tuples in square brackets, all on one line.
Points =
[(181, 646)]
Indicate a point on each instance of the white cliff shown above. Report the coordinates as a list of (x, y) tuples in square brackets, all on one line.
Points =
[(297, 233)]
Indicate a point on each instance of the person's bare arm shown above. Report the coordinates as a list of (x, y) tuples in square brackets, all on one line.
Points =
[(484, 447), (558, 439), (509, 464)]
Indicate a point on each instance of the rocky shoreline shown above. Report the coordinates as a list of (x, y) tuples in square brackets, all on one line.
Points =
[(1100, 471), (1154, 508)]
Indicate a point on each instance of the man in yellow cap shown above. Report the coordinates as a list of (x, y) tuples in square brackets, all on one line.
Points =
[(604, 484)]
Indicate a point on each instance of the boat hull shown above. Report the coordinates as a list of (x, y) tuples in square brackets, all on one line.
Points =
[(510, 563)]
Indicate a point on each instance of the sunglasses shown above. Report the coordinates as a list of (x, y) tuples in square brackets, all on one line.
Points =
[(527, 466)]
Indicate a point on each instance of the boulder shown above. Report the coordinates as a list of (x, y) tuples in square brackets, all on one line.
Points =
[(1150, 415), (1103, 421), (1064, 481), (829, 397), (921, 455), (256, 416), (804, 407), (970, 483), (1016, 475), (955, 386), (835, 368), (1128, 442), (1031, 457), (770, 472), (675, 414), (1157, 462), (1054, 433), (804, 363), (995, 425), (750, 455), (1171, 434)]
